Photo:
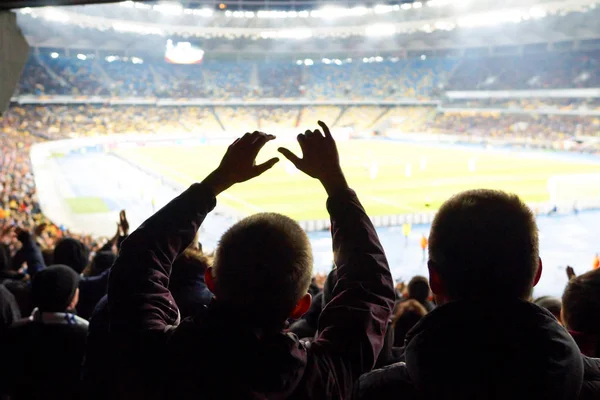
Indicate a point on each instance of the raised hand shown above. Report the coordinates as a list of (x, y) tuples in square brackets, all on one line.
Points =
[(320, 158), (239, 162), (123, 223), (570, 272)]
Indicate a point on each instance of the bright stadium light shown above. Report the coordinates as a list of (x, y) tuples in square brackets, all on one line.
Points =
[(304, 14), (82, 57), (406, 6), (417, 4), (365, 60), (111, 58), (168, 8), (382, 9), (300, 33), (228, 13), (423, 57), (249, 14), (378, 59), (308, 62), (380, 30), (537, 12), (52, 14), (26, 10), (338, 62), (54, 54), (128, 3), (299, 62), (137, 60), (326, 61)]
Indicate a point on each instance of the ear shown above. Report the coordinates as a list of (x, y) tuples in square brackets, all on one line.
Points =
[(435, 282), (302, 306), (538, 274), (209, 279), (75, 300)]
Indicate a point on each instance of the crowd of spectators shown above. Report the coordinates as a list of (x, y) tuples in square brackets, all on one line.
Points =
[(374, 77), (540, 127), (551, 70), (147, 314)]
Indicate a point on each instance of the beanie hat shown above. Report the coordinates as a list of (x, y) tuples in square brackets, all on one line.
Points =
[(72, 253), (53, 288)]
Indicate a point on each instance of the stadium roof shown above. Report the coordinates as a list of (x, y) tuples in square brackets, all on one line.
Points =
[(11, 4), (143, 28)]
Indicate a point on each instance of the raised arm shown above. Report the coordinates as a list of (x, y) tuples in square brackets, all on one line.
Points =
[(352, 326), (138, 294)]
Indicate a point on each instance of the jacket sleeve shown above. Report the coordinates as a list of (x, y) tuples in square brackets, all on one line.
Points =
[(352, 326), (138, 294), (30, 253)]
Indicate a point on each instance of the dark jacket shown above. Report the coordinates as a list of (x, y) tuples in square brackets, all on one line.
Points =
[(91, 290), (514, 350), (214, 355), (43, 360)]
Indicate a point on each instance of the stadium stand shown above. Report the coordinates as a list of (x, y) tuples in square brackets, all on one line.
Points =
[(156, 330)]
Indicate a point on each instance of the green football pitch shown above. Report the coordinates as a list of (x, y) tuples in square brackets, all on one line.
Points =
[(390, 177)]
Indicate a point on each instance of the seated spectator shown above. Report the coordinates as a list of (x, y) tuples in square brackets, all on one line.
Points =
[(407, 314), (187, 283), (235, 348), (72, 253), (46, 350), (484, 340), (551, 304), (581, 311)]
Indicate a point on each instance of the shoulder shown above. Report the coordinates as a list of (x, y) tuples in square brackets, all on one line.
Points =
[(591, 379), (389, 382)]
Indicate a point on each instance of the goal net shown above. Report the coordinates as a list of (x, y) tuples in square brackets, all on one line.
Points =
[(575, 190)]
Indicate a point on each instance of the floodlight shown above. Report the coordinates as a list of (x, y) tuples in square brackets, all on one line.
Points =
[(111, 58), (168, 8), (326, 61), (338, 62), (380, 30), (378, 59), (299, 62), (52, 14), (82, 57), (423, 57), (365, 60), (308, 61), (54, 55)]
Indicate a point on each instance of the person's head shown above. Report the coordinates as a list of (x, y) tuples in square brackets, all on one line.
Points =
[(190, 265), (581, 303), (55, 289), (262, 268), (102, 261), (483, 244), (73, 253), (418, 289), (551, 304)]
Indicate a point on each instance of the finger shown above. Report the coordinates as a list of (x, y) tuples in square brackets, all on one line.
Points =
[(302, 142), (318, 133), (326, 130), (260, 143), (259, 169), (290, 156)]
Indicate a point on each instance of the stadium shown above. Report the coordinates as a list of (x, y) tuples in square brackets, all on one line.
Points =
[(124, 105), (359, 270)]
